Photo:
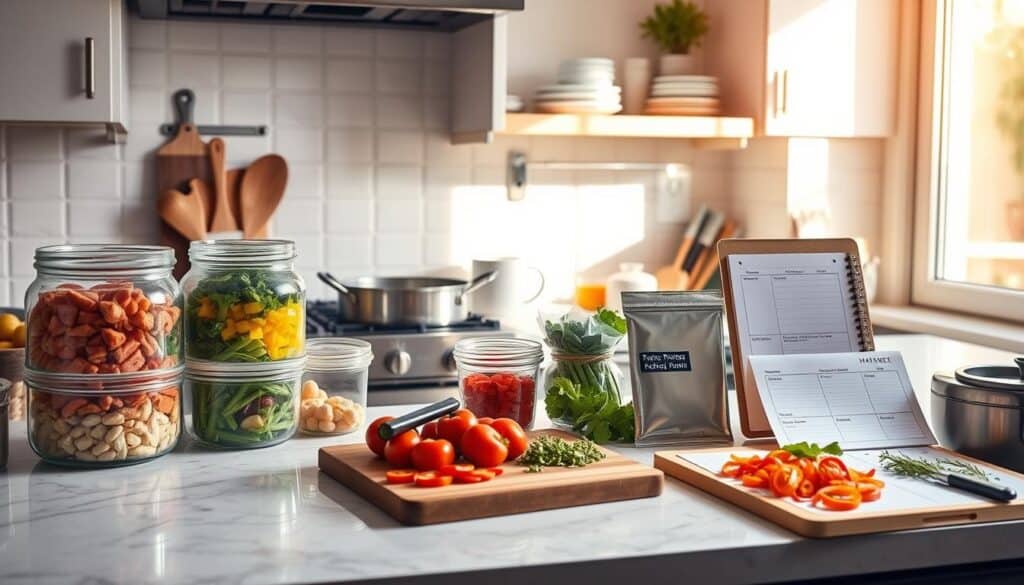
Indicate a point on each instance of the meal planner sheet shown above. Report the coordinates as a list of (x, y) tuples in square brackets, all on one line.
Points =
[(864, 400)]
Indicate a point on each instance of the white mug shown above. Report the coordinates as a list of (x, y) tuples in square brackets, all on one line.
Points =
[(502, 298)]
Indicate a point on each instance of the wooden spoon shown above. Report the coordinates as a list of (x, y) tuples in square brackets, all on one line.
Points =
[(223, 219), (185, 213), (262, 189)]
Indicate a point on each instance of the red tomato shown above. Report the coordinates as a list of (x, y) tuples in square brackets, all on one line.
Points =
[(400, 476), (484, 420), (373, 440), (432, 454), (500, 395), (456, 468), (432, 479), (452, 427), (398, 451), (475, 476), (429, 431), (483, 446), (497, 470), (513, 436)]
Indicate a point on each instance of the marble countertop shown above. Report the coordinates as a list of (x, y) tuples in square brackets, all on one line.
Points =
[(268, 516)]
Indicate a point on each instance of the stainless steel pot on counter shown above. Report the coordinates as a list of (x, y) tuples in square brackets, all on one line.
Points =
[(404, 301), (979, 411)]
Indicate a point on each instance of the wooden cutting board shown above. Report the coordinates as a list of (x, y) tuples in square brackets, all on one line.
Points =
[(183, 158), (515, 491), (905, 503)]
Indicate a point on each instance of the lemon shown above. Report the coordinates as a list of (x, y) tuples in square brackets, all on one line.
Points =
[(8, 323), (19, 335)]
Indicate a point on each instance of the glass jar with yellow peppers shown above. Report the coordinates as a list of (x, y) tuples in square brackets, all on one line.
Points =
[(244, 302)]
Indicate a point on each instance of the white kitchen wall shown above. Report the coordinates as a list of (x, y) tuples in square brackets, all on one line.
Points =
[(374, 185)]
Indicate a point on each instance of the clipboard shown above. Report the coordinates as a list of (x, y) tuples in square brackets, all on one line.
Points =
[(753, 420)]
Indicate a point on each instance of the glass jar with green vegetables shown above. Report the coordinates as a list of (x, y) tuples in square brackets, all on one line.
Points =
[(242, 406), (244, 302), (583, 385)]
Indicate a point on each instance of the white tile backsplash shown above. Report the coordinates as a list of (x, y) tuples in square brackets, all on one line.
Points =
[(375, 185)]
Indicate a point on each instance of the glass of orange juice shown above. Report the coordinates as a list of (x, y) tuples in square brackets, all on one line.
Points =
[(590, 295)]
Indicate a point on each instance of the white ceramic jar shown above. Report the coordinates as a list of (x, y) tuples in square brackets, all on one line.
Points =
[(631, 276)]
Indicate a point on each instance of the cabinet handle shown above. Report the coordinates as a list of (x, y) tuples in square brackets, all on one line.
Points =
[(785, 90), (90, 67), (775, 94)]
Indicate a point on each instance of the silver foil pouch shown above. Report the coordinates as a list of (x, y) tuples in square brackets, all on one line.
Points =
[(677, 367)]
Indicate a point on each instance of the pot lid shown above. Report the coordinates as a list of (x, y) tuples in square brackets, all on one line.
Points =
[(994, 377)]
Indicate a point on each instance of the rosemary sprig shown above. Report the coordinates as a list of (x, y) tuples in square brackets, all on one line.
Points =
[(557, 452), (921, 468)]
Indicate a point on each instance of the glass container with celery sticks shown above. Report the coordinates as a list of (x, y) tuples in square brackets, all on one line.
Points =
[(583, 385), (244, 302)]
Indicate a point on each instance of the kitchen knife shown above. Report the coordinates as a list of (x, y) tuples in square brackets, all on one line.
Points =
[(978, 487), (397, 426), (669, 277), (705, 240)]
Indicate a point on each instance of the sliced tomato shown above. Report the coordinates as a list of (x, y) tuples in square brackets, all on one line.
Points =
[(754, 481), (456, 468), (785, 480), (832, 468), (731, 469), (401, 475), (432, 479), (475, 476), (838, 497), (496, 470), (806, 490), (781, 455)]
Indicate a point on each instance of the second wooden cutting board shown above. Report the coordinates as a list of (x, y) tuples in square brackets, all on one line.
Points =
[(612, 479)]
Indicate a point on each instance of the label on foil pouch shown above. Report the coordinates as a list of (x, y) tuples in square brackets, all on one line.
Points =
[(665, 361)]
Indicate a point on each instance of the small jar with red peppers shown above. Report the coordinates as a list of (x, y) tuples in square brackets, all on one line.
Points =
[(498, 376)]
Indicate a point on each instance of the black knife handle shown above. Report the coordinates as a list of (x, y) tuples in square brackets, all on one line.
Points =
[(982, 488), (397, 426)]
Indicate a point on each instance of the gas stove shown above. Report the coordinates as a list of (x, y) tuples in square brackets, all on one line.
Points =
[(404, 355)]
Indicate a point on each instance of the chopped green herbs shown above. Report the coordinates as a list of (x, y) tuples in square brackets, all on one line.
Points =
[(920, 468), (591, 410), (548, 451)]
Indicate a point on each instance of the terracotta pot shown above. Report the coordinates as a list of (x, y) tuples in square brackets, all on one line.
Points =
[(673, 64), (1015, 219)]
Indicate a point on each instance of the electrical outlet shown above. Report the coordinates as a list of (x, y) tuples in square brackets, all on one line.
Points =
[(673, 195)]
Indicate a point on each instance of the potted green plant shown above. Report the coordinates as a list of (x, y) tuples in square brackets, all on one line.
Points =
[(1010, 119), (676, 28)]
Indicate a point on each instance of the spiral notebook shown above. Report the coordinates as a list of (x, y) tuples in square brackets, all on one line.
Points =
[(788, 297)]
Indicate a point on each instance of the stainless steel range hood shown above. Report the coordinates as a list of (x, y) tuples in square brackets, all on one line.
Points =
[(439, 15)]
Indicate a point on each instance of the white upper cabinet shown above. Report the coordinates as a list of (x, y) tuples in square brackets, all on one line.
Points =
[(807, 67), (63, 62)]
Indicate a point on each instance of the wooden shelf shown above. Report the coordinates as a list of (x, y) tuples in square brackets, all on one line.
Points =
[(714, 131), (996, 250)]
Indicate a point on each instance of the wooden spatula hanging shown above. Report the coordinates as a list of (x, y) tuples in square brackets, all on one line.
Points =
[(223, 217), (186, 213), (180, 160), (262, 190)]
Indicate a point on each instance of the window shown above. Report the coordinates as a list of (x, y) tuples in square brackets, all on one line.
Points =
[(969, 236)]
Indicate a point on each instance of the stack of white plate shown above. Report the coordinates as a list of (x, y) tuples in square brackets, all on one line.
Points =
[(513, 103), (683, 95), (585, 86)]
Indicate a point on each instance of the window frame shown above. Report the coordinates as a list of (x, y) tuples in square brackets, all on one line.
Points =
[(989, 301)]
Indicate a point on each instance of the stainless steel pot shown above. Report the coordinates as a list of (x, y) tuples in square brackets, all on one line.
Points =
[(404, 301), (979, 411)]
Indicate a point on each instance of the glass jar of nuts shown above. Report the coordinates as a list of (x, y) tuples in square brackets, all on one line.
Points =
[(334, 386)]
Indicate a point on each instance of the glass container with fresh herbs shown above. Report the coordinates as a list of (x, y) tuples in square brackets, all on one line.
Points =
[(242, 406), (244, 302), (583, 385)]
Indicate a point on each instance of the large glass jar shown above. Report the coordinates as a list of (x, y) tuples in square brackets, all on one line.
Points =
[(583, 386), (498, 376), (244, 302), (103, 309), (334, 385), (242, 406), (85, 420)]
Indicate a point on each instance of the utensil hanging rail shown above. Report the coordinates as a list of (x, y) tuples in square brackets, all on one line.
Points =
[(518, 165)]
